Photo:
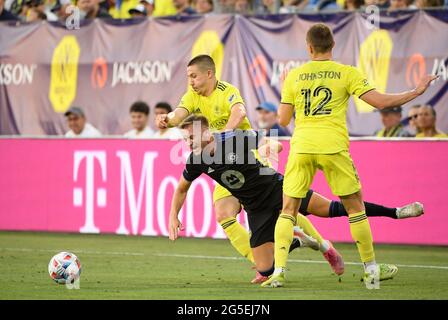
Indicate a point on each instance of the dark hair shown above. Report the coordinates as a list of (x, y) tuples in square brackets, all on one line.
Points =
[(433, 111), (140, 106), (357, 3), (204, 62), (320, 38), (188, 121), (40, 14), (164, 105)]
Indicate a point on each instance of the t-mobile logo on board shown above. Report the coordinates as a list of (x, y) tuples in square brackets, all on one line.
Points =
[(89, 195)]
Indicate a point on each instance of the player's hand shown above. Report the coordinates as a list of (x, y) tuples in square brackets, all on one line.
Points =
[(267, 153), (424, 83), (162, 121), (175, 227)]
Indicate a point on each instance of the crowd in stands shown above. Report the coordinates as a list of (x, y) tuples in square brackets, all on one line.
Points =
[(53, 10), (139, 113), (420, 122)]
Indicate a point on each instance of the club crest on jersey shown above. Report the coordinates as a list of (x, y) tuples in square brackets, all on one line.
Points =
[(232, 97), (233, 179), (216, 110)]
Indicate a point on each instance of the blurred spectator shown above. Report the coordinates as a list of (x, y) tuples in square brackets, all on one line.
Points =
[(266, 7), (35, 14), (60, 9), (412, 117), (383, 4), (353, 5), (138, 12), (119, 9), (319, 5), (421, 4), (391, 118), (398, 5), (5, 14), (164, 8), (79, 127), (106, 4), (267, 120), (203, 6), (149, 6), (292, 6), (183, 7), (243, 7), (22, 7), (427, 123), (168, 133), (139, 118), (226, 6), (90, 9)]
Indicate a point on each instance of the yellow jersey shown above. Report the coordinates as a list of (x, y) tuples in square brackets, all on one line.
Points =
[(164, 8), (123, 12), (216, 107), (319, 92), (437, 135)]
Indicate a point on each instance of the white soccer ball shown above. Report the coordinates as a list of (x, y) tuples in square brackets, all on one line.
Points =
[(64, 268)]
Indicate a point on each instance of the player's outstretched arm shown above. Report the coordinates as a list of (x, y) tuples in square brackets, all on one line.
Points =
[(176, 204), (387, 100), (237, 115), (171, 119), (285, 113)]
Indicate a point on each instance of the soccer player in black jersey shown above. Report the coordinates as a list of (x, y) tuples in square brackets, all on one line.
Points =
[(228, 159)]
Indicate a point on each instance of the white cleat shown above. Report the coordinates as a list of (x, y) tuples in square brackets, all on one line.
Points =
[(305, 240), (372, 278), (414, 209)]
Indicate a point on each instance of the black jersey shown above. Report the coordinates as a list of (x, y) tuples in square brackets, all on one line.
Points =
[(235, 167)]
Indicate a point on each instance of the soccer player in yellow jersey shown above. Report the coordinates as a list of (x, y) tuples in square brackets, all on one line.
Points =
[(222, 105), (318, 92)]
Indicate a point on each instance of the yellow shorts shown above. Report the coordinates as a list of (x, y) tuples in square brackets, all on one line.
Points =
[(338, 168), (220, 192)]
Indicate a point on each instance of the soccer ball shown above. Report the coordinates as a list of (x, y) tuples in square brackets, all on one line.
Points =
[(64, 268)]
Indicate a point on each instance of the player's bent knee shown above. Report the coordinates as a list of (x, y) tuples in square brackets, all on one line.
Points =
[(290, 206), (226, 208), (353, 203), (222, 215)]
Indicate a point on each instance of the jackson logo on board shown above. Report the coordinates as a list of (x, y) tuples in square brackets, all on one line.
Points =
[(415, 70), (98, 77)]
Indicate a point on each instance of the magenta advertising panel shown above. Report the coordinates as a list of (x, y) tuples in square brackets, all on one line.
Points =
[(125, 187)]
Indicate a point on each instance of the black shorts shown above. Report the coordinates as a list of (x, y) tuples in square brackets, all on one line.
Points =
[(305, 202), (262, 221)]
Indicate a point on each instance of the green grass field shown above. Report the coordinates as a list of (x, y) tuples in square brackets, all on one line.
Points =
[(119, 267)]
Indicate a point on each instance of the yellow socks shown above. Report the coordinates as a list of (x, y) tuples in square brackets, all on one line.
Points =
[(284, 231), (360, 230), (238, 236), (308, 227)]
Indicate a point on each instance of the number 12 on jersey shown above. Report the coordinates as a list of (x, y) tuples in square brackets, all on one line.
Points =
[(320, 108)]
